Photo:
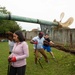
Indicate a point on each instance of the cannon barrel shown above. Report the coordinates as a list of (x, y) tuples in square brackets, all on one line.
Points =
[(25, 19)]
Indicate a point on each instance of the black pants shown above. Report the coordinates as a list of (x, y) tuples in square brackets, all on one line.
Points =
[(17, 70)]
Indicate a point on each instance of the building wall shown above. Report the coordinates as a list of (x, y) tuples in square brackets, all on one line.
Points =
[(63, 36), (31, 34)]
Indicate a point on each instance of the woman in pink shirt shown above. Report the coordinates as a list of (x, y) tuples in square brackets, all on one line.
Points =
[(19, 54)]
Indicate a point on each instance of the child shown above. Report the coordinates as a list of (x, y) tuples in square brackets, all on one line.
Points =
[(46, 45)]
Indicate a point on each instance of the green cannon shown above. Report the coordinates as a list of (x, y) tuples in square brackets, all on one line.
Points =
[(25, 19), (46, 26)]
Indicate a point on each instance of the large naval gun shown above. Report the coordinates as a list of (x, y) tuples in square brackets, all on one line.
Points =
[(25, 19), (45, 25)]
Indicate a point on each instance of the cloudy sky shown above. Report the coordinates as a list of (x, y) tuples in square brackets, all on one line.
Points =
[(40, 9)]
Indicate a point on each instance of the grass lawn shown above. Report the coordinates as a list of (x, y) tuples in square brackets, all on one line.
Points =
[(64, 64)]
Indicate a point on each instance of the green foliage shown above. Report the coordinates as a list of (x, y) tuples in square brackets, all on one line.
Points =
[(63, 65), (3, 10), (6, 25)]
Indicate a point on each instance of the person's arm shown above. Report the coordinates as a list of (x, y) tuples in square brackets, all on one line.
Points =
[(34, 41), (51, 42), (11, 55)]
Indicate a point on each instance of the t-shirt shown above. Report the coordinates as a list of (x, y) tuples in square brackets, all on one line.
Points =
[(48, 40), (11, 45), (40, 42)]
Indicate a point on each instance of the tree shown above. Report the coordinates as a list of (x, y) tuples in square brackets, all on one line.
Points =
[(6, 25)]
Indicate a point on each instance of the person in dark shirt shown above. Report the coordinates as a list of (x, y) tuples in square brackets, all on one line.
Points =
[(46, 45)]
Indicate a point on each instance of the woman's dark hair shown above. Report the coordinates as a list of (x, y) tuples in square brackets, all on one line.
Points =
[(20, 35)]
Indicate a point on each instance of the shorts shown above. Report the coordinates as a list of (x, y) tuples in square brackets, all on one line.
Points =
[(48, 48)]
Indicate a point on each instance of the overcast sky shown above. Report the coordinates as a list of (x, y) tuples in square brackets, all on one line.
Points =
[(40, 9)]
